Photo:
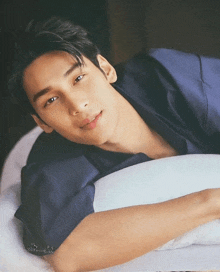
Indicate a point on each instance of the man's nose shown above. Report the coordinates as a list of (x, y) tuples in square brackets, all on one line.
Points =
[(77, 104)]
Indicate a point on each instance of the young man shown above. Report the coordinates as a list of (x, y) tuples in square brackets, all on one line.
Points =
[(160, 106)]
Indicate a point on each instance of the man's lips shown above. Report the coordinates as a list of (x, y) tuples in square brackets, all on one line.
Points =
[(91, 124)]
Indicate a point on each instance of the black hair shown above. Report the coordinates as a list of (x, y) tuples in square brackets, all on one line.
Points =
[(41, 37)]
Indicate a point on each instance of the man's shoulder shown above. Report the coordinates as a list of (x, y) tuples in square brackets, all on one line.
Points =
[(143, 78), (178, 62), (163, 59)]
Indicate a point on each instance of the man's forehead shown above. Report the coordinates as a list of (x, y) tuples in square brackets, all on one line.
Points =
[(57, 61), (48, 68)]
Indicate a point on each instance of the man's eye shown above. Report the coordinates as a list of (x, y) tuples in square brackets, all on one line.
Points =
[(79, 78), (51, 100)]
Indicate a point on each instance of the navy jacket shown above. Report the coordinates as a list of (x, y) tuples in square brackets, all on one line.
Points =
[(176, 93)]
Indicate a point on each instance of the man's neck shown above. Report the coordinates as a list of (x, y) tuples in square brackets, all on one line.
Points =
[(133, 135), (129, 130)]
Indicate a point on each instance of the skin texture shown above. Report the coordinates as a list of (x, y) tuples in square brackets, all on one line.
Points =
[(67, 98)]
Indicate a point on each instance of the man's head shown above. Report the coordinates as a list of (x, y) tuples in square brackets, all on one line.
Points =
[(42, 37), (66, 84)]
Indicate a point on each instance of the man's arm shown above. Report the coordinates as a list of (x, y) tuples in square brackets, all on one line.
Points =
[(113, 237)]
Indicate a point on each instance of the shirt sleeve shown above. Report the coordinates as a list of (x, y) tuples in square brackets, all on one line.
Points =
[(55, 197)]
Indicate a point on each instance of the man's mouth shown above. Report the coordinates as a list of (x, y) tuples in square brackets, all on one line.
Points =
[(91, 124)]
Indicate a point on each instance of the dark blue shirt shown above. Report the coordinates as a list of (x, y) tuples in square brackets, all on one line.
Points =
[(175, 93)]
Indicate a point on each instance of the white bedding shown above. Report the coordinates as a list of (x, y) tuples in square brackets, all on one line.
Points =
[(152, 181), (161, 180), (13, 256)]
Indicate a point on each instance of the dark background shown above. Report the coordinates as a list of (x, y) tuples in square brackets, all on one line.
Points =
[(121, 28)]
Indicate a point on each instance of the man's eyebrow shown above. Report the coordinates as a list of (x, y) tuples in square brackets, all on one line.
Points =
[(72, 68), (40, 93), (46, 90)]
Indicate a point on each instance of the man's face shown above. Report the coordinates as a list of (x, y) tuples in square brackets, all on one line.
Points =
[(76, 101)]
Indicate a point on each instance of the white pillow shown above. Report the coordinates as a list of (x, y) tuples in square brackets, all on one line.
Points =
[(16, 159), (161, 180)]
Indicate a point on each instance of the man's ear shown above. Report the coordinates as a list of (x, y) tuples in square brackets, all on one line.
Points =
[(41, 124), (107, 68)]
